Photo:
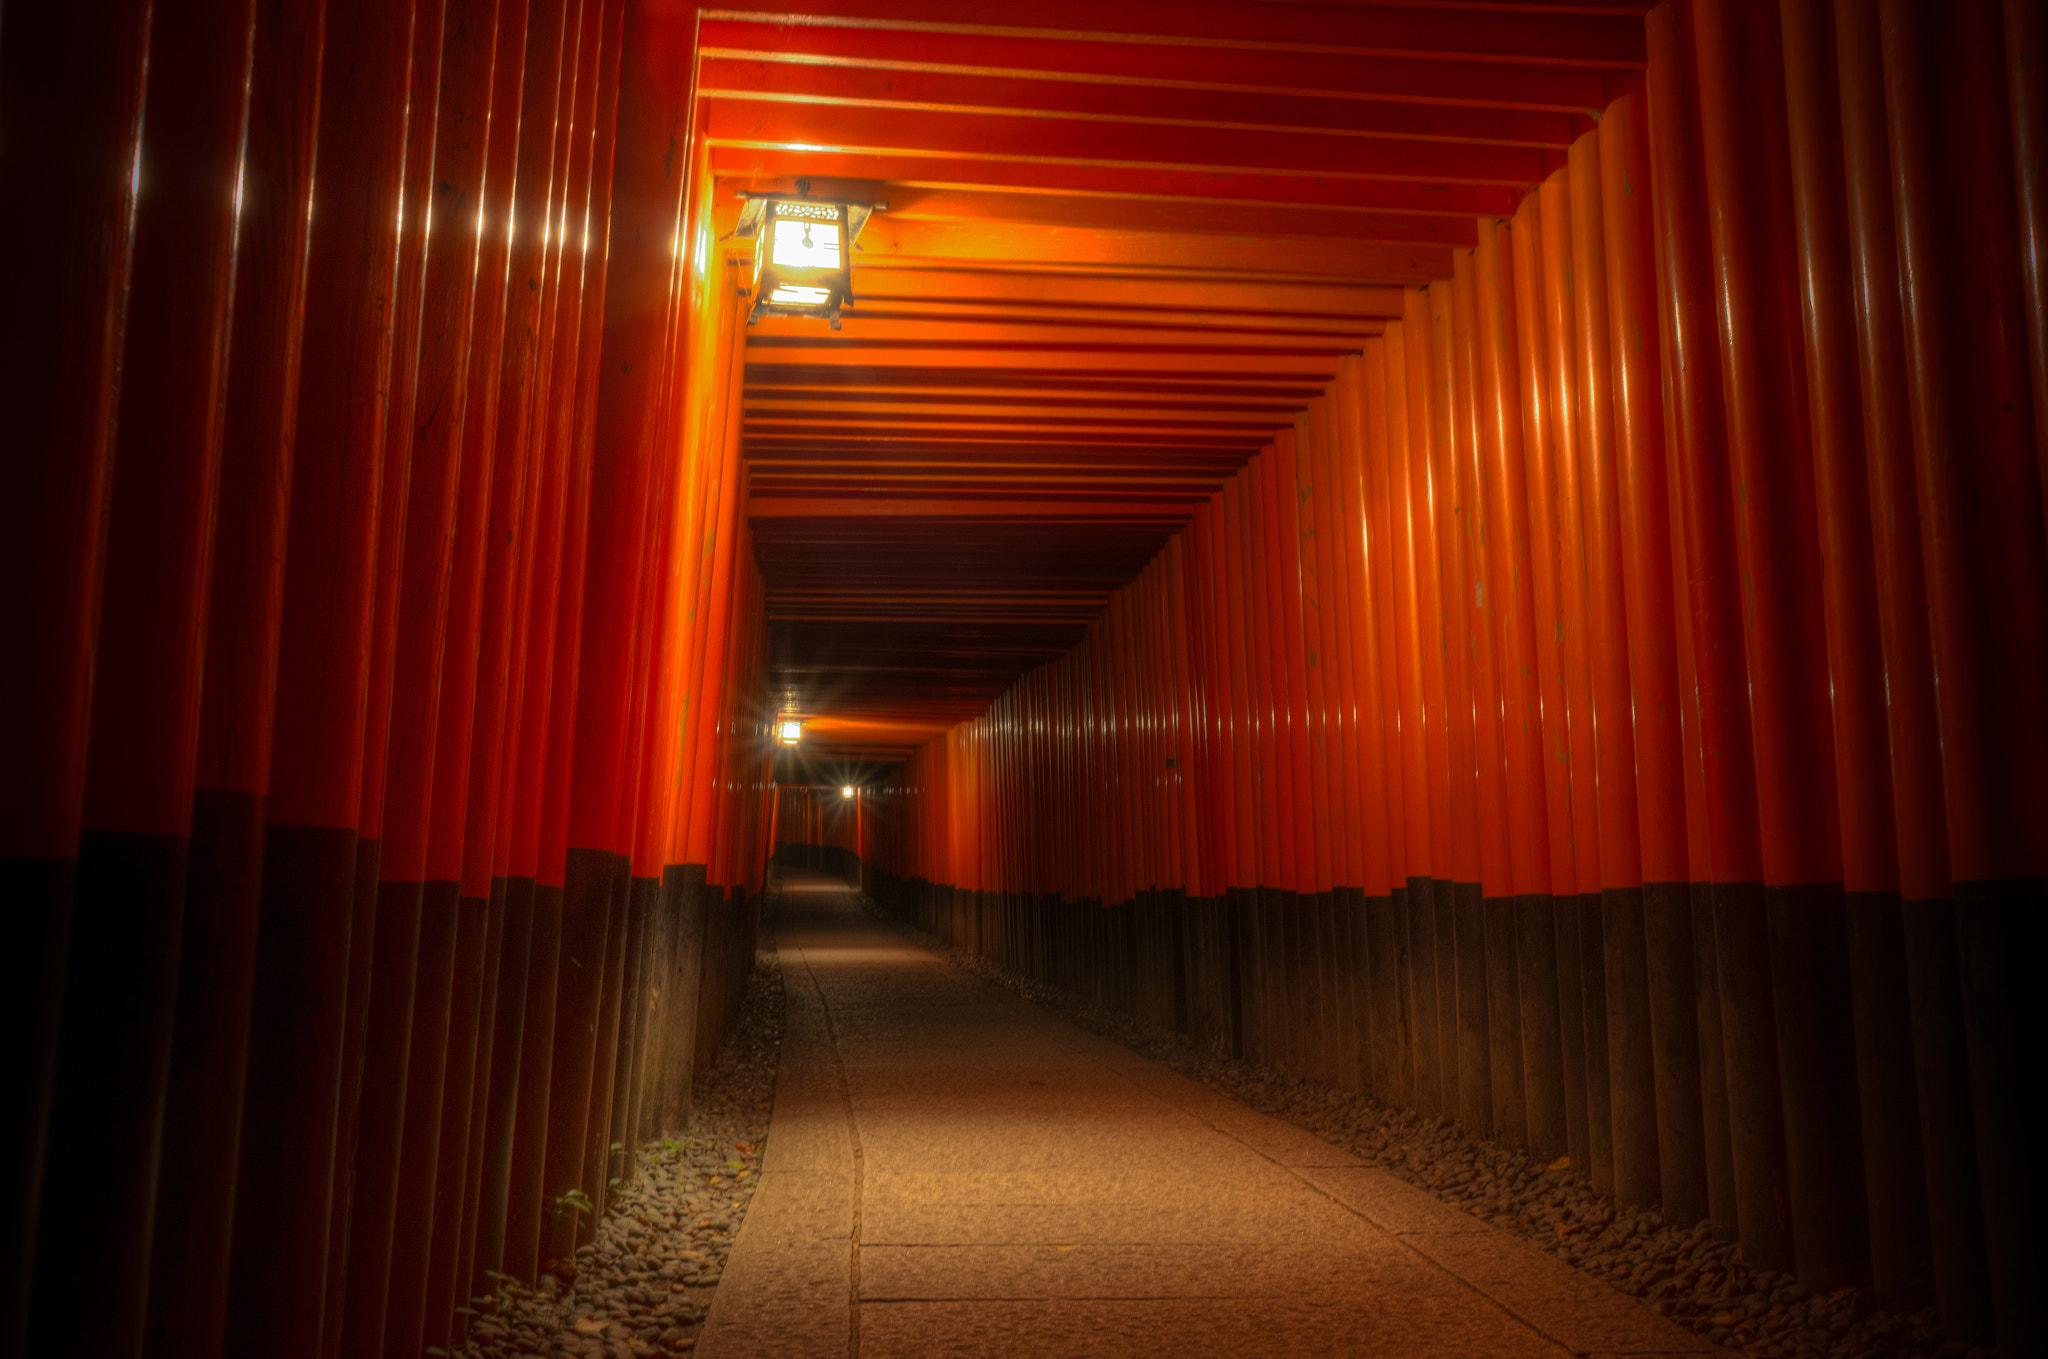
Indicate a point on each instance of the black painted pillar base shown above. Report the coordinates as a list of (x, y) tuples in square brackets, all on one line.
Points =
[(1763, 1197), (1543, 1084), (1948, 1132), (37, 896), (1422, 1000), (188, 1285), (1504, 1022), (2002, 928), (92, 1247), (486, 1252), (277, 1276), (1675, 1051)]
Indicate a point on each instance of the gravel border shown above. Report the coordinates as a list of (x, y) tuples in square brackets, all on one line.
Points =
[(1682, 1273), (643, 1285)]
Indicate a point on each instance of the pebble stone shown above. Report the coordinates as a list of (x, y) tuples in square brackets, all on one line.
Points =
[(1679, 1271), (643, 1284)]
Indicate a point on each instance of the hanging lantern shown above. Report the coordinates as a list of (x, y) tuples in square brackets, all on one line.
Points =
[(789, 720), (803, 253)]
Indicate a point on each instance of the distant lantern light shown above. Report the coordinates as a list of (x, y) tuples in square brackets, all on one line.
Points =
[(803, 253), (789, 731), (847, 791)]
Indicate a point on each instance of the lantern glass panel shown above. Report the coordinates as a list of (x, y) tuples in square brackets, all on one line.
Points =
[(795, 295), (806, 245)]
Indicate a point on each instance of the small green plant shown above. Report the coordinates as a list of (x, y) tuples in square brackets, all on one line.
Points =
[(574, 1201)]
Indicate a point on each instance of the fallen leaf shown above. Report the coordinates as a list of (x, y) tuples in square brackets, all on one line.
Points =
[(1561, 1163), (592, 1325)]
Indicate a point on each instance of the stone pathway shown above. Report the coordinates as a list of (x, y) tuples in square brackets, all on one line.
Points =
[(1682, 1273), (951, 1171)]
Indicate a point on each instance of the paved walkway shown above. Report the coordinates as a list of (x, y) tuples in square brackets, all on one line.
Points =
[(950, 1171)]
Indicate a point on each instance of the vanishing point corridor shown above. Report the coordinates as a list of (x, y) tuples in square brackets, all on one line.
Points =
[(951, 1171)]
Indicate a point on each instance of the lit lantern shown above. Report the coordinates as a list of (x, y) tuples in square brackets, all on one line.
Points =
[(803, 253), (847, 791), (789, 731)]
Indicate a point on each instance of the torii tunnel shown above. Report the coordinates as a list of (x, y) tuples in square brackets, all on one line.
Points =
[(1485, 554)]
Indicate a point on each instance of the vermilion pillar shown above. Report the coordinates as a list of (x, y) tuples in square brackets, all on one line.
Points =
[(1581, 952), (217, 962), (1454, 853), (584, 931), (1742, 973), (1886, 1106), (1624, 964), (71, 93), (93, 1254), (647, 196), (1369, 629), (1716, 1133), (1978, 474), (383, 970), (1784, 631), (289, 1145), (1407, 421), (2026, 35), (1467, 666), (1500, 812), (541, 648), (489, 828), (1545, 411), (471, 706), (1235, 564), (1955, 1222), (1503, 278), (433, 657), (1641, 477), (1344, 959), (602, 955), (1262, 720)]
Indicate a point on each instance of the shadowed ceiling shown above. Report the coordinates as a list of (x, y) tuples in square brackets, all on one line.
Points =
[(1126, 241)]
